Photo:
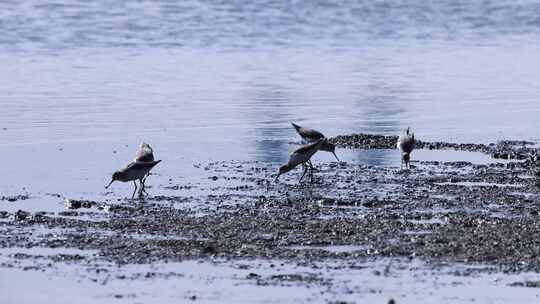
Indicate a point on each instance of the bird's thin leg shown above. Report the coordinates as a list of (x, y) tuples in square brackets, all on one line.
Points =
[(145, 177), (143, 181), (135, 190), (141, 190), (310, 165), (305, 170)]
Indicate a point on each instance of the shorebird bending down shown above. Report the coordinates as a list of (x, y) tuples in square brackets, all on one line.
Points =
[(302, 156), (405, 143), (144, 154), (310, 136), (132, 172)]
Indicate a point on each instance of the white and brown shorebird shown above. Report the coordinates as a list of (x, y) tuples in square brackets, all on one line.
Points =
[(405, 144), (137, 169), (302, 156), (144, 154), (310, 136)]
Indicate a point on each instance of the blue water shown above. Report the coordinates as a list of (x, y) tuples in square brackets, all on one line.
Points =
[(55, 26), (83, 83)]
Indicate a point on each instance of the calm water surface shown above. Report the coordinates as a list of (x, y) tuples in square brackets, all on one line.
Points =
[(83, 83)]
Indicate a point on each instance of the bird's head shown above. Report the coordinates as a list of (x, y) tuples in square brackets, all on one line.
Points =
[(282, 170), (329, 147), (115, 177)]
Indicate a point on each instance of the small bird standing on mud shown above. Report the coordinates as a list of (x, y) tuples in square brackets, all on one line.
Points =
[(302, 156), (132, 172), (310, 136), (138, 169), (405, 143)]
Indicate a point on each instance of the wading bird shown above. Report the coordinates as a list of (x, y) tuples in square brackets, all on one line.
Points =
[(405, 143), (302, 156), (310, 136), (138, 169), (132, 172)]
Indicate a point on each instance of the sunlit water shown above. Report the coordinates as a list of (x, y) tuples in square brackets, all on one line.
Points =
[(83, 83), (234, 283)]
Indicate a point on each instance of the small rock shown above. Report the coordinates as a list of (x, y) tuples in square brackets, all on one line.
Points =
[(21, 215), (252, 276), (73, 204), (209, 249)]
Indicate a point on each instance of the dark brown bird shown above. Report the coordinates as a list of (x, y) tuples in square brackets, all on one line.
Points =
[(310, 135), (132, 172), (301, 156)]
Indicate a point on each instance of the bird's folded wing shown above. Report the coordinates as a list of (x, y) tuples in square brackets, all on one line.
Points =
[(308, 147), (141, 165)]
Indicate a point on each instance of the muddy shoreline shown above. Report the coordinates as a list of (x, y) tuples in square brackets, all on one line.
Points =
[(505, 149), (440, 212)]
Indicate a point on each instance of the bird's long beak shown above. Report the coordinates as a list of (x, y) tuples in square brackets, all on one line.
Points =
[(336, 156), (275, 180), (107, 187)]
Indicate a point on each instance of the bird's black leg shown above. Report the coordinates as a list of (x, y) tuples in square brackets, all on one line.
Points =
[(145, 177), (141, 191), (144, 185), (305, 170), (135, 190), (310, 165), (143, 181)]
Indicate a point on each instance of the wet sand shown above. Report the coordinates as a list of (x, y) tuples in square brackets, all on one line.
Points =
[(465, 222)]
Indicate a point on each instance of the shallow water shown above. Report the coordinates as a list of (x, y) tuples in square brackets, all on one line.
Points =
[(223, 80), (83, 83), (372, 281)]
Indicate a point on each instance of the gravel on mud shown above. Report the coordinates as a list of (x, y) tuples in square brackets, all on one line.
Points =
[(439, 211)]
